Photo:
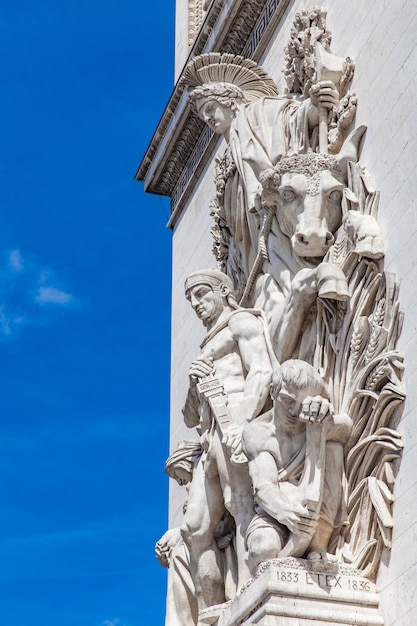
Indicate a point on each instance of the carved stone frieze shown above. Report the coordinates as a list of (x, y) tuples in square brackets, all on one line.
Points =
[(195, 18)]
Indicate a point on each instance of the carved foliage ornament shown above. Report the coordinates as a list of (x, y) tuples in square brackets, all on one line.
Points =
[(299, 67), (310, 165)]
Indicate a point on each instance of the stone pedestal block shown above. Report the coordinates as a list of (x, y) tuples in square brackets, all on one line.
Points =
[(295, 592)]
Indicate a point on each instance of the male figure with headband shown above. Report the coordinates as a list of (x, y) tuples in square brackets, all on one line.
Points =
[(235, 353)]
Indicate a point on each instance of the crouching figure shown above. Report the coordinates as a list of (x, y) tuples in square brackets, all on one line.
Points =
[(295, 454)]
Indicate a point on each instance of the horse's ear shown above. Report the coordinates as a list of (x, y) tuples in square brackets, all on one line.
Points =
[(352, 147)]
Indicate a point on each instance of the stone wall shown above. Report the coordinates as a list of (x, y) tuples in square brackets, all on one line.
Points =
[(181, 35), (192, 245)]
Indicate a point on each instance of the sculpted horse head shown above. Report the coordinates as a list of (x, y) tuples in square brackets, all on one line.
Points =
[(307, 192)]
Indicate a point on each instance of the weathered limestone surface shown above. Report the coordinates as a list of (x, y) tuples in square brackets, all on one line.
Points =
[(380, 37), (181, 35), (299, 593)]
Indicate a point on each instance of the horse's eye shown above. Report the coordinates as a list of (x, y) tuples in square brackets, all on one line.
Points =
[(335, 195), (288, 195)]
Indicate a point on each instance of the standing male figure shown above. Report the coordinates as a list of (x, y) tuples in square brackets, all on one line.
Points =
[(237, 353)]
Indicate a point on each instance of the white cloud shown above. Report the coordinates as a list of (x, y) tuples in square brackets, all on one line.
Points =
[(27, 291), (52, 295), (50, 292), (16, 263)]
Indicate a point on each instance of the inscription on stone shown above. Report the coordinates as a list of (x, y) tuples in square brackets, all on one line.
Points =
[(325, 581)]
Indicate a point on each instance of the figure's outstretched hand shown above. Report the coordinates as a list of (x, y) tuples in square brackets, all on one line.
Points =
[(200, 369), (325, 94), (316, 409)]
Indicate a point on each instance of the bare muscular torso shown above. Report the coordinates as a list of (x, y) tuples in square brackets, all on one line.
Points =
[(235, 351), (225, 349)]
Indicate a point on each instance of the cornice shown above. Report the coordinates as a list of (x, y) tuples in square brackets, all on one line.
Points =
[(179, 146), (176, 112)]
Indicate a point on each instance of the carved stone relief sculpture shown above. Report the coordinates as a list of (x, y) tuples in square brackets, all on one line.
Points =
[(172, 552), (296, 390), (228, 387), (295, 455)]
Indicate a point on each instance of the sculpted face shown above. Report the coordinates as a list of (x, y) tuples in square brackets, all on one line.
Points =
[(206, 302), (288, 403), (215, 115), (182, 476)]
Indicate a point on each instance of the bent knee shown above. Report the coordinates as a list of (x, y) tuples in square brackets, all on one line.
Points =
[(263, 544)]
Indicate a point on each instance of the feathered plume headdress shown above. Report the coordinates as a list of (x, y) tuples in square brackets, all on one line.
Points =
[(232, 69)]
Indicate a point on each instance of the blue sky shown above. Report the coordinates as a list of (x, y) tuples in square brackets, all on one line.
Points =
[(84, 313)]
